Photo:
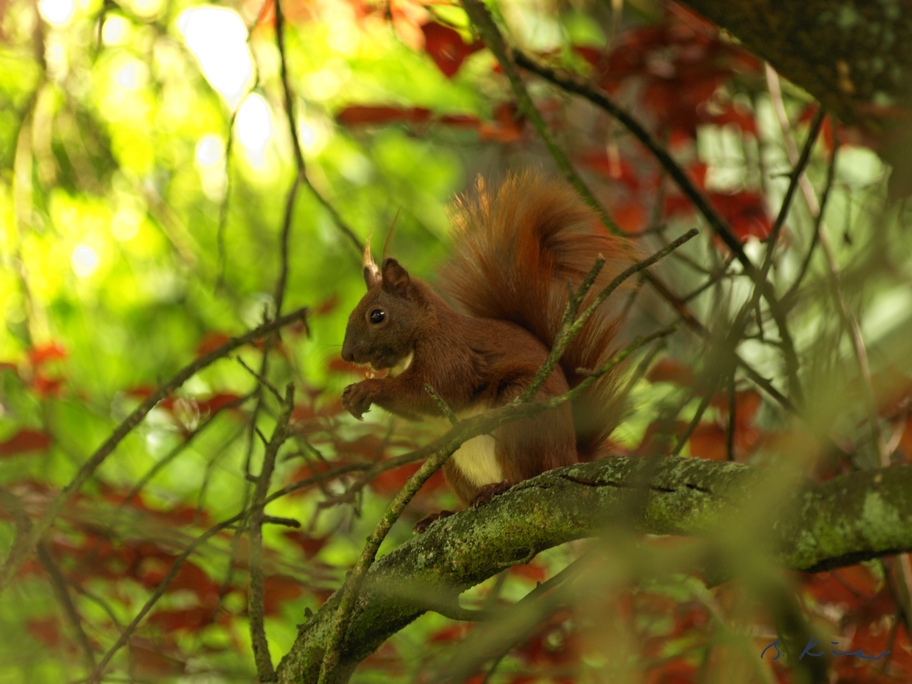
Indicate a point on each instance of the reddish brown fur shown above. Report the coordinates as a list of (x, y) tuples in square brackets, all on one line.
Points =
[(512, 256)]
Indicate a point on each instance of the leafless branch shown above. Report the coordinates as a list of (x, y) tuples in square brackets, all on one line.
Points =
[(288, 94), (255, 596)]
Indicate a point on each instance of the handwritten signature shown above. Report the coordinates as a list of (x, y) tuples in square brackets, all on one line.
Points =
[(812, 642)]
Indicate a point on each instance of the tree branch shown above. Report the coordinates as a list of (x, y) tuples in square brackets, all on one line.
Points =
[(820, 526)]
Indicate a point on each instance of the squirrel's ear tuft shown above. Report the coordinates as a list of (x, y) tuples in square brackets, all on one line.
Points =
[(371, 272), (395, 278)]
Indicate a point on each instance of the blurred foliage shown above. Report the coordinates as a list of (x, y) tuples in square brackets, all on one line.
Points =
[(146, 162)]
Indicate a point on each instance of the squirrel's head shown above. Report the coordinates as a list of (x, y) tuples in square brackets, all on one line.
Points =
[(381, 329)]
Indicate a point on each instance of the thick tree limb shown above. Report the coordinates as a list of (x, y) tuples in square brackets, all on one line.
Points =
[(847, 55), (851, 518), (854, 57)]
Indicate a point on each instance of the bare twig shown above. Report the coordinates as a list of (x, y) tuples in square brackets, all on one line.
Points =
[(176, 451), (255, 595), (279, 292), (288, 94), (263, 381), (482, 20), (575, 85), (789, 297), (62, 592), (849, 321), (573, 324), (350, 590), (24, 544), (159, 592), (712, 217), (441, 404), (495, 640)]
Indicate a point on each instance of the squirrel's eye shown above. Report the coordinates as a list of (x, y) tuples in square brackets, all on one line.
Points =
[(377, 316)]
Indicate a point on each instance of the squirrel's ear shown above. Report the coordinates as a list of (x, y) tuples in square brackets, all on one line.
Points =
[(395, 278)]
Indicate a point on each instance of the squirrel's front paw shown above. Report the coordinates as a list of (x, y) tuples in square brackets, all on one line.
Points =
[(357, 399)]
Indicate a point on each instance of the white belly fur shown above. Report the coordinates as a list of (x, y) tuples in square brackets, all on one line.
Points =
[(475, 458)]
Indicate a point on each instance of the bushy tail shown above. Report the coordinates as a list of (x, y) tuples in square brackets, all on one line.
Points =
[(513, 252)]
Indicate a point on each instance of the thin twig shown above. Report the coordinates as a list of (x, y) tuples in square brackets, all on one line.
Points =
[(701, 409), (263, 381), (62, 592), (281, 282), (256, 593), (159, 592), (493, 39), (288, 95), (575, 85), (573, 324), (493, 641), (23, 545), (441, 404), (352, 585), (176, 451), (715, 221), (835, 279), (789, 297)]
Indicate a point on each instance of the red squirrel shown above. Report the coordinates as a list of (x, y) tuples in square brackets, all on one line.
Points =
[(514, 252)]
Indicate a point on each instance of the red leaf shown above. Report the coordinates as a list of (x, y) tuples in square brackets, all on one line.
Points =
[(743, 210), (675, 671), (46, 631), (457, 632), (148, 661), (45, 386), (446, 47), (392, 481), (630, 216), (737, 116), (536, 573), (745, 213), (210, 342), (669, 370), (358, 115), (613, 167), (460, 120), (277, 590), (507, 125), (25, 440), (189, 618), (216, 402), (309, 545), (193, 578), (327, 305), (47, 352)]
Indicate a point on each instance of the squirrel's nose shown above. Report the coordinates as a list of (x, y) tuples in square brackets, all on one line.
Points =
[(347, 354)]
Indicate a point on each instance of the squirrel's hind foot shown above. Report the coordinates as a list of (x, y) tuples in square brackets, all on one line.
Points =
[(489, 491), (422, 525)]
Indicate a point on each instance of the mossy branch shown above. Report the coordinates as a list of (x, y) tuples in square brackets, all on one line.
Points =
[(820, 526)]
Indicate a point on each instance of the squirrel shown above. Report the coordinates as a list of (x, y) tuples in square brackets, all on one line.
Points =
[(514, 252)]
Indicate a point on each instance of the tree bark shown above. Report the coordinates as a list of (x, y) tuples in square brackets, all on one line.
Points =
[(819, 526), (854, 56)]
